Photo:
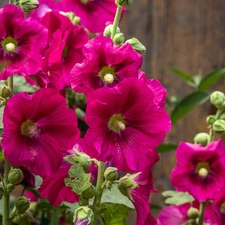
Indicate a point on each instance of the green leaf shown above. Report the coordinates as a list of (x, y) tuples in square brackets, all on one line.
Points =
[(177, 198), (115, 196), (114, 214), (166, 147), (184, 75), (38, 181), (78, 179), (20, 85), (211, 79), (188, 103)]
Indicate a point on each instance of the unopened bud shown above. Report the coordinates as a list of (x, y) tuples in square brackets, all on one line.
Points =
[(111, 174), (123, 2), (10, 187), (80, 158), (22, 204), (108, 185), (27, 5), (222, 117), (108, 30), (217, 98), (211, 119), (5, 92), (118, 39), (83, 213), (24, 219), (193, 213), (73, 18), (15, 176), (136, 45), (89, 193), (219, 126), (201, 138)]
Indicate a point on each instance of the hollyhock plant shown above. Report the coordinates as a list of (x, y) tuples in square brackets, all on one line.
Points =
[(22, 40), (178, 215), (200, 170), (37, 129), (105, 64), (125, 125), (89, 11)]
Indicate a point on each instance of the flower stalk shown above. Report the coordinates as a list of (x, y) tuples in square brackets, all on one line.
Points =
[(201, 213), (116, 21)]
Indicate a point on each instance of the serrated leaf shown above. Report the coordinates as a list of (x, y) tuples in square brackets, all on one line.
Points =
[(184, 75), (78, 180), (166, 147), (115, 196), (177, 198), (114, 214), (211, 79), (188, 103), (2, 156)]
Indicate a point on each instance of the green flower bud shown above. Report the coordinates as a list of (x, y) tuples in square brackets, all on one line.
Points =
[(27, 5), (118, 39), (22, 204), (73, 18), (5, 92), (136, 45), (24, 219), (222, 117), (193, 213), (201, 138), (217, 98), (15, 176), (108, 30), (111, 174), (83, 213), (81, 158), (123, 2), (108, 185), (191, 222), (89, 193), (10, 187), (210, 119), (219, 126)]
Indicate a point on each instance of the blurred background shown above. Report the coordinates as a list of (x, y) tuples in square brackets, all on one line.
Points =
[(188, 35)]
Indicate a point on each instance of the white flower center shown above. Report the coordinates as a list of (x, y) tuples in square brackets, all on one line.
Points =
[(108, 78), (203, 172), (119, 125), (10, 47)]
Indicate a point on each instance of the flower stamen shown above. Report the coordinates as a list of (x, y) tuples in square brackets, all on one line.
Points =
[(117, 123), (30, 129), (10, 47), (108, 78)]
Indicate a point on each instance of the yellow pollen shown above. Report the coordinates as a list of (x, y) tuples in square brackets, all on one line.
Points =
[(119, 125), (203, 172), (108, 78), (10, 47)]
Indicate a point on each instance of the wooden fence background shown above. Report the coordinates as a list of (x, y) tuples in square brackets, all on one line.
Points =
[(186, 34)]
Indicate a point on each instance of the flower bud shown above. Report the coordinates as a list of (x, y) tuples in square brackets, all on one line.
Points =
[(22, 204), (83, 215), (24, 219), (123, 2), (193, 213), (27, 5), (219, 126), (10, 187), (201, 138), (136, 45), (108, 185), (5, 92), (217, 98), (191, 222), (222, 117), (73, 18), (210, 119), (118, 39), (111, 174), (81, 158), (108, 30), (15, 176), (89, 193)]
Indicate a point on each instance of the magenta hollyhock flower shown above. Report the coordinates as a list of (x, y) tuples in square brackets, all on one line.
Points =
[(22, 40), (200, 170), (219, 204), (177, 215), (125, 125), (140, 197), (94, 14), (38, 129), (104, 65)]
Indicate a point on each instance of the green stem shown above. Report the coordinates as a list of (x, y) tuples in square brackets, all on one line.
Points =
[(6, 210), (201, 213), (11, 1), (99, 191), (55, 217), (116, 21), (217, 116)]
